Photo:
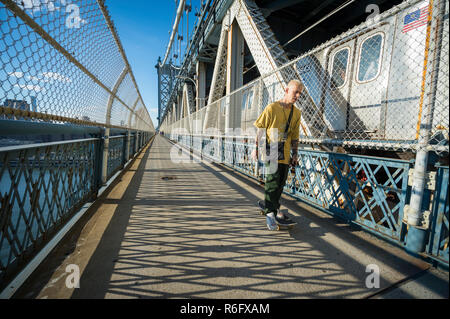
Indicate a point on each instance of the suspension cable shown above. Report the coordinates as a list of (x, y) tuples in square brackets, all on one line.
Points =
[(174, 30)]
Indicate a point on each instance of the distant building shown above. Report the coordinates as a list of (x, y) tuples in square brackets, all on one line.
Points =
[(17, 104), (33, 104), (20, 105)]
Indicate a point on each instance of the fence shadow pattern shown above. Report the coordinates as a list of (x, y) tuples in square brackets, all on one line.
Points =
[(365, 190), (205, 239)]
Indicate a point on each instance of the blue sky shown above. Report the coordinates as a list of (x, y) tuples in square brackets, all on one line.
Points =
[(144, 28)]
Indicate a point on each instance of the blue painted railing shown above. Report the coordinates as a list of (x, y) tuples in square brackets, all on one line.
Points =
[(368, 191), (42, 186)]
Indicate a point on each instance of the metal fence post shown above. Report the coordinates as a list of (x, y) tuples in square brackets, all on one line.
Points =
[(97, 173), (104, 169), (124, 151), (222, 149), (234, 152), (127, 150)]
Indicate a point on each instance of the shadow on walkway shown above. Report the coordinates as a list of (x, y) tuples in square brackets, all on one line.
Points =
[(191, 230)]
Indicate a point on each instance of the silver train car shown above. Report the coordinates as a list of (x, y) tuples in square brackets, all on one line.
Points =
[(367, 83)]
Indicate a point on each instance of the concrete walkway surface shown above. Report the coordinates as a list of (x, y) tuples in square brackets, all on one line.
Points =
[(192, 230)]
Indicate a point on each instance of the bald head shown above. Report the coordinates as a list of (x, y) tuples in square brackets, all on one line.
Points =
[(296, 83), (292, 92)]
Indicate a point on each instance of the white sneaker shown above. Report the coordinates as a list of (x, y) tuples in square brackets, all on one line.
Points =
[(270, 220)]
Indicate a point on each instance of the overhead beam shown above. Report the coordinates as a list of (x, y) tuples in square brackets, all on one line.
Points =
[(273, 6)]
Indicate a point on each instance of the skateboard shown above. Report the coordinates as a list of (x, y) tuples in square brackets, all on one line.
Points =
[(261, 207), (281, 226)]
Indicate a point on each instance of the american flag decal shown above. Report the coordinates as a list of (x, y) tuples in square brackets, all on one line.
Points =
[(415, 19)]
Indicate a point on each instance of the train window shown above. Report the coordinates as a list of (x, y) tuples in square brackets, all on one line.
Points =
[(370, 58), (340, 61), (249, 100)]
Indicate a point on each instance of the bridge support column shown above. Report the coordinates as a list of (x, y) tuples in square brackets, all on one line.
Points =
[(235, 70), (201, 85)]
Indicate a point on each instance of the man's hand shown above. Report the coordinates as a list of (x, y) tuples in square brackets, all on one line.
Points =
[(255, 155), (294, 160), (259, 133)]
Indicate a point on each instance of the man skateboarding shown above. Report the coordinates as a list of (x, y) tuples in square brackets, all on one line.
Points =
[(279, 124)]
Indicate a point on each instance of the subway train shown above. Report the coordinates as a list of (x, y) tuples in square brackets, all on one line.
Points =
[(371, 86)]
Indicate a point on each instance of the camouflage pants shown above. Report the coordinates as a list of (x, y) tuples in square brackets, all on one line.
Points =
[(274, 188)]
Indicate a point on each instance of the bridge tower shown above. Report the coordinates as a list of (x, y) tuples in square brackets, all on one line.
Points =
[(166, 76)]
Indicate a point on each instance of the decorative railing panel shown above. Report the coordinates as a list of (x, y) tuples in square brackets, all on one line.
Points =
[(438, 243), (368, 191), (41, 187)]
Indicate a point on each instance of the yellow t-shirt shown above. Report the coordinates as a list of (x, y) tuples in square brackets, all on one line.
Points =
[(275, 116)]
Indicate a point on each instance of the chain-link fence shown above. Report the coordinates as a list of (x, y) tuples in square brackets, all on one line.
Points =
[(380, 85), (63, 62)]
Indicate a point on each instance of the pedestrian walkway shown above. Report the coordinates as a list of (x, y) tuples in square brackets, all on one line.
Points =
[(192, 230)]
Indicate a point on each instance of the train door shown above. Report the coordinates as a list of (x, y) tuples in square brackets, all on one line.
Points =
[(370, 81), (339, 61)]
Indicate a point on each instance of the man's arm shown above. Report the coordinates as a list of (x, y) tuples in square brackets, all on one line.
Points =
[(261, 123), (258, 137), (294, 147), (294, 142)]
